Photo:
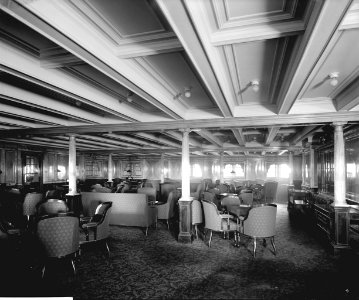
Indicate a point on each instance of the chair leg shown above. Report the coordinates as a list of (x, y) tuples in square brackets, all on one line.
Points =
[(254, 247), (146, 231), (168, 225), (210, 239), (196, 231), (107, 248), (43, 271), (274, 248), (73, 266)]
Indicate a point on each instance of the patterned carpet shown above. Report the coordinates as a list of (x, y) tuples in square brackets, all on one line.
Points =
[(158, 267)]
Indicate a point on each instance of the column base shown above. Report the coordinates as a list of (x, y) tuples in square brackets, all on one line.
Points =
[(185, 235)]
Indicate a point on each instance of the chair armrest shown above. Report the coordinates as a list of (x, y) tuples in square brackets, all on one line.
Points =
[(226, 216)]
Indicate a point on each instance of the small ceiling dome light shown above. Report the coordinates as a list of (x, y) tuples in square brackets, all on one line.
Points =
[(187, 92), (255, 85), (129, 96), (334, 78)]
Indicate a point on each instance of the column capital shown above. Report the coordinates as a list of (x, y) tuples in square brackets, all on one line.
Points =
[(339, 123)]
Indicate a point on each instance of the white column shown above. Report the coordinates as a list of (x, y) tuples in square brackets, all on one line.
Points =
[(291, 166), (162, 169), (72, 166), (186, 174), (339, 165), (221, 167), (110, 168)]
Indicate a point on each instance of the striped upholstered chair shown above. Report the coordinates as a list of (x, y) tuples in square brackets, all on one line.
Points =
[(59, 237), (260, 224)]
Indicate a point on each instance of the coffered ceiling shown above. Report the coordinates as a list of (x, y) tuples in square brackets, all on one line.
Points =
[(128, 76)]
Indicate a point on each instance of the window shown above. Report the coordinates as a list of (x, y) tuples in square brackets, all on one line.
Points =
[(31, 170), (196, 170), (272, 171), (284, 171)]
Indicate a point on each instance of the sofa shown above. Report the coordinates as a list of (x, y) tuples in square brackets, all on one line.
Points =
[(128, 209)]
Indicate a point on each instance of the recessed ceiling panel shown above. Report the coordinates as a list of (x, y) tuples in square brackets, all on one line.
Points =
[(341, 59), (178, 75), (244, 8), (128, 17), (255, 61)]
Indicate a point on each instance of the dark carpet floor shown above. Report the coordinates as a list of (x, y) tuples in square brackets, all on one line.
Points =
[(158, 267)]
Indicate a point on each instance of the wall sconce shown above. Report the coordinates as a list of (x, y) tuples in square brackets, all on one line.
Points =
[(187, 93), (255, 85), (334, 78), (129, 96)]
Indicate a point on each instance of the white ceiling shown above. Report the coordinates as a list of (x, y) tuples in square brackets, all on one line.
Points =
[(67, 67)]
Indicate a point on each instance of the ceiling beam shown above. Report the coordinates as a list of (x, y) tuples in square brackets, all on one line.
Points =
[(272, 132), (349, 98), (239, 135), (178, 17), (302, 134), (323, 23), (260, 121), (210, 137)]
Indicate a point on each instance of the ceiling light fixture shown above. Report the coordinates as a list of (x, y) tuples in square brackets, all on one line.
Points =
[(129, 96), (187, 93), (334, 78), (255, 85)]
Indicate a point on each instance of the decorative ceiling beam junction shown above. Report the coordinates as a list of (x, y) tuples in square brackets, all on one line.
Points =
[(210, 137), (272, 132), (239, 135), (302, 134)]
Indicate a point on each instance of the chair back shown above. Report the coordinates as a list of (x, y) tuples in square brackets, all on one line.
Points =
[(166, 189), (198, 193), (52, 207), (126, 187), (212, 219), (209, 196), (197, 212), (30, 202), (223, 188), (270, 191), (260, 221), (150, 192), (230, 200), (102, 217), (59, 235), (247, 198), (166, 211)]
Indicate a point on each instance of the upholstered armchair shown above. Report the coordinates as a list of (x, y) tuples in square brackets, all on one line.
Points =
[(214, 221), (270, 191), (96, 228), (29, 208), (197, 215), (150, 192), (211, 197), (229, 201), (260, 224), (198, 193), (166, 211), (52, 206), (246, 197), (59, 237)]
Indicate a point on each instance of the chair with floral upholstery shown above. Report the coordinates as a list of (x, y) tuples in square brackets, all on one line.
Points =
[(215, 221), (97, 227), (59, 237), (260, 224)]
